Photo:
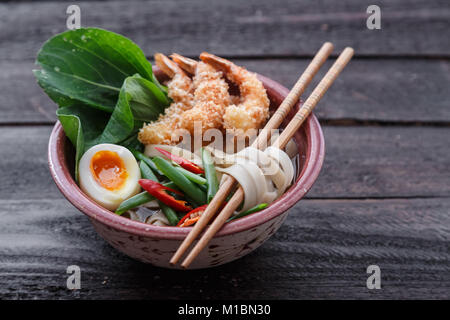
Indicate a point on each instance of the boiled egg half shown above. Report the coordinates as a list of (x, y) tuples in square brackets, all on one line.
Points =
[(109, 174)]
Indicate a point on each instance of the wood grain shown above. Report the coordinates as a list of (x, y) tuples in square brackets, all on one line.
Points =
[(360, 162), (376, 90), (384, 162), (260, 28), (382, 198), (321, 251)]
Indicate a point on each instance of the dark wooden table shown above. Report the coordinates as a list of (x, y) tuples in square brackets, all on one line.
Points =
[(382, 198)]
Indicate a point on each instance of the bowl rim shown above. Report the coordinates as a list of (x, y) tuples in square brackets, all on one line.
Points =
[(69, 188)]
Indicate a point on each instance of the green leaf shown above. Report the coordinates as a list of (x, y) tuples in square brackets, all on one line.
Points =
[(88, 66), (104, 86), (132, 143), (82, 126), (139, 101)]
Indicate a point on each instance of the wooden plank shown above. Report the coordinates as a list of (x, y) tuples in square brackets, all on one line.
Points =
[(321, 252), (230, 28), (384, 162), (360, 162), (22, 100), (381, 90)]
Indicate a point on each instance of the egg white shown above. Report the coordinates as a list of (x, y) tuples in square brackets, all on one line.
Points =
[(109, 199)]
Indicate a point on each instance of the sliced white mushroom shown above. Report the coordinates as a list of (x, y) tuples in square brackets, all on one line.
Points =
[(158, 219), (141, 214), (151, 205)]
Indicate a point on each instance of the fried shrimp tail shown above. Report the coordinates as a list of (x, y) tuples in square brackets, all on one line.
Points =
[(211, 95), (203, 101), (167, 66), (187, 64), (252, 111), (180, 88)]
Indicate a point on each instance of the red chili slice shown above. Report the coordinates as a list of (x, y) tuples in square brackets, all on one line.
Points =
[(187, 220), (186, 164), (159, 192)]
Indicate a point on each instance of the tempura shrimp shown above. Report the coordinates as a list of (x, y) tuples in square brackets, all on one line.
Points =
[(253, 108), (211, 95), (181, 91)]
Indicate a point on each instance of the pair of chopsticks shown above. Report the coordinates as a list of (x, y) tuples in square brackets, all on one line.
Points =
[(275, 121)]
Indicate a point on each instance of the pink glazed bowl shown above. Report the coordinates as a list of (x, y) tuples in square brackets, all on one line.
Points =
[(156, 245)]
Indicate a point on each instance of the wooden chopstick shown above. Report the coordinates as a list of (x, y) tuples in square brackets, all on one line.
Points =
[(294, 95), (275, 121), (314, 98), (228, 182), (285, 136)]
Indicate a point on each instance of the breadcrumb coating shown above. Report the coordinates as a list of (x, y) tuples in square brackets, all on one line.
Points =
[(252, 111), (205, 100), (211, 97), (181, 91)]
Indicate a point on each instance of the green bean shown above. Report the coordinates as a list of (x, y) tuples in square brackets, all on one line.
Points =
[(139, 199), (170, 214), (170, 185), (142, 198), (142, 157), (204, 187), (191, 176), (187, 186), (257, 208), (134, 202), (210, 174), (145, 197), (146, 172)]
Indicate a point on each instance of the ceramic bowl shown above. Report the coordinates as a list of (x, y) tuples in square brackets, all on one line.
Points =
[(156, 245)]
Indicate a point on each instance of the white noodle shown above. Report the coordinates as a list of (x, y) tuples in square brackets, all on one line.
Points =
[(285, 163), (263, 175)]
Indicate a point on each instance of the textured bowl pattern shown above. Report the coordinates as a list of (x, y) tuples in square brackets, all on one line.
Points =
[(156, 245)]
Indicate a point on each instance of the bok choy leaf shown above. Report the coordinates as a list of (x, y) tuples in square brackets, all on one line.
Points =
[(104, 87), (139, 101), (88, 66)]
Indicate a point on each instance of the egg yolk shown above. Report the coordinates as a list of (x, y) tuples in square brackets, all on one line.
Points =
[(108, 169)]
